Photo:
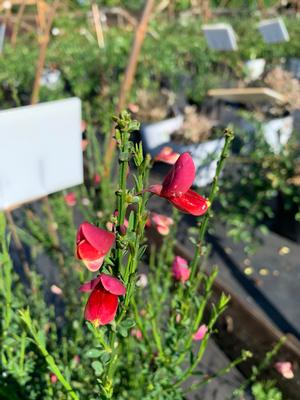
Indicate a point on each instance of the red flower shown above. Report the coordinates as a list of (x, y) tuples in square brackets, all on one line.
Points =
[(102, 304), (167, 155), (70, 199), (176, 187), (180, 269), (92, 245)]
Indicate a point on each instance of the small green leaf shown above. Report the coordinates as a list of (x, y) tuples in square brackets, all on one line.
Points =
[(93, 353), (97, 367)]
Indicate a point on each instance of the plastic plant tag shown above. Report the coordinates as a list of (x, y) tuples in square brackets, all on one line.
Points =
[(40, 151), (2, 36), (220, 37), (273, 30)]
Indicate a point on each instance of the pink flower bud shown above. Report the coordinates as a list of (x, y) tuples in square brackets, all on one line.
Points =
[(201, 332), (56, 290), (97, 179), (180, 269), (137, 333), (53, 378)]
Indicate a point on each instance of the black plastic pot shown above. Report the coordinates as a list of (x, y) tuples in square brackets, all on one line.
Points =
[(284, 222)]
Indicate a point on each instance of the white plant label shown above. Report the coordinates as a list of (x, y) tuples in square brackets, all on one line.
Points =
[(40, 151)]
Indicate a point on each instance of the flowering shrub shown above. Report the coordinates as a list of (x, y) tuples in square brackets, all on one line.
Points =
[(155, 327)]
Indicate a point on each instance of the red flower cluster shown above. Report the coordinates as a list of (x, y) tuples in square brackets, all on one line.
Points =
[(176, 187), (92, 245)]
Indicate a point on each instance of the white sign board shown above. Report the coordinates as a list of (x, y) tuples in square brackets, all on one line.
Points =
[(220, 37), (40, 151), (273, 30)]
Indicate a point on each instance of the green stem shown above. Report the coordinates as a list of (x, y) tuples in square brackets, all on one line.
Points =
[(214, 189), (222, 371), (25, 316)]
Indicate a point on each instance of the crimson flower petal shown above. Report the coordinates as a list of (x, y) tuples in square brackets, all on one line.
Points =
[(190, 202), (181, 176), (90, 285), (98, 238), (101, 307), (112, 285), (86, 252), (93, 265)]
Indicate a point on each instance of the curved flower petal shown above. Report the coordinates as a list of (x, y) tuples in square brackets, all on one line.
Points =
[(94, 265), (156, 189), (161, 219), (98, 238), (112, 285), (190, 202), (181, 176), (90, 285), (101, 307), (167, 155), (86, 252), (163, 230)]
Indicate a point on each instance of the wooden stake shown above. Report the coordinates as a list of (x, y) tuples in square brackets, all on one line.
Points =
[(43, 40), (17, 23), (205, 10), (98, 25), (129, 76)]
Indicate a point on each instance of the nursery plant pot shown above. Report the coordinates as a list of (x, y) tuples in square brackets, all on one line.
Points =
[(285, 223), (277, 132), (293, 65), (156, 135), (255, 68), (205, 154), (51, 78)]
